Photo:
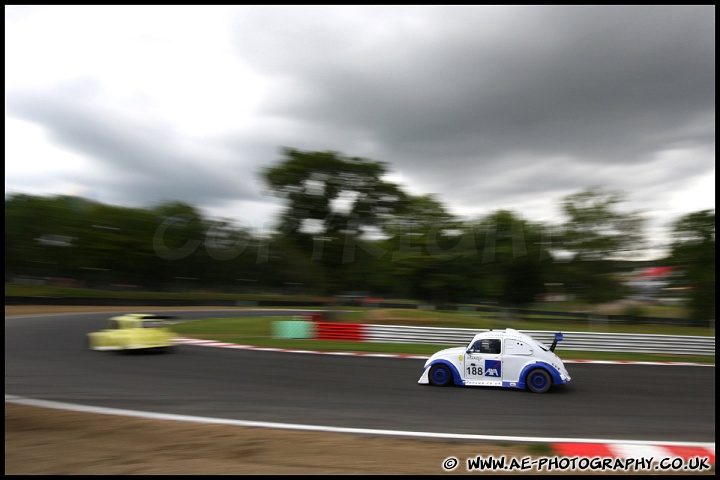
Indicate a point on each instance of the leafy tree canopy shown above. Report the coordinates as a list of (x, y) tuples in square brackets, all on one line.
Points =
[(596, 230), (331, 192)]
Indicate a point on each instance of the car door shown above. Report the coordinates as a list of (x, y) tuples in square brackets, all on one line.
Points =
[(516, 355), (483, 363)]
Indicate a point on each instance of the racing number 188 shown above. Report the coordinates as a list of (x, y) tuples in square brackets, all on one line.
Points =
[(477, 371)]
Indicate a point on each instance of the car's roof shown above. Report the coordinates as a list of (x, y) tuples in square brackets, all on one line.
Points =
[(506, 333)]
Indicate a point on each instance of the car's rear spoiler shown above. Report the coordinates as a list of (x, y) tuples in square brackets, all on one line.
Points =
[(558, 338)]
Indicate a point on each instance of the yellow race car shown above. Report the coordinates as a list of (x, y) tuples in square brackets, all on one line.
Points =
[(133, 331)]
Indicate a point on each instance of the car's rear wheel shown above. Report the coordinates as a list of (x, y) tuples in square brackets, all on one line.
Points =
[(440, 375), (538, 381)]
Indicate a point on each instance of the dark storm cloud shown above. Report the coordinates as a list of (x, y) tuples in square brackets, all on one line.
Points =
[(477, 87)]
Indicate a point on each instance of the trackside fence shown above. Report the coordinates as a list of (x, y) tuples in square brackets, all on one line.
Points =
[(581, 341), (578, 341)]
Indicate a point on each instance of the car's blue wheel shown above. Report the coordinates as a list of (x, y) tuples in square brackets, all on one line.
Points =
[(538, 381), (440, 375)]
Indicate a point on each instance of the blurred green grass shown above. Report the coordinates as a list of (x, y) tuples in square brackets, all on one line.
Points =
[(258, 331)]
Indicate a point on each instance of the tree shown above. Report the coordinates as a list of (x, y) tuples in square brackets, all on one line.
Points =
[(425, 251), (43, 233), (596, 230), (332, 200), (693, 252), (595, 235), (510, 254), (334, 192)]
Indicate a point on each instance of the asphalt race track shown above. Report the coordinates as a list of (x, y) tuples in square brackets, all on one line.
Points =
[(45, 358)]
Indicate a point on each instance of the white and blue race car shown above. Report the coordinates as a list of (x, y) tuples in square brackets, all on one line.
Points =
[(498, 358)]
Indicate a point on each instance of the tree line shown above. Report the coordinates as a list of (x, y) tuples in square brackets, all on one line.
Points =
[(346, 228)]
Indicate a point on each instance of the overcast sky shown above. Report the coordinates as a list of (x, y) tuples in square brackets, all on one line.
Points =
[(488, 107)]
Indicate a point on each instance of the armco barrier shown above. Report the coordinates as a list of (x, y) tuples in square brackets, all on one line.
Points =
[(580, 341)]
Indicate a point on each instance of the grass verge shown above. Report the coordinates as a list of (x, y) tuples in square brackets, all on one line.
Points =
[(258, 331)]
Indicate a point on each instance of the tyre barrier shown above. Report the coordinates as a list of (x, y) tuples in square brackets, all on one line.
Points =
[(311, 328), (293, 329), (340, 331)]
